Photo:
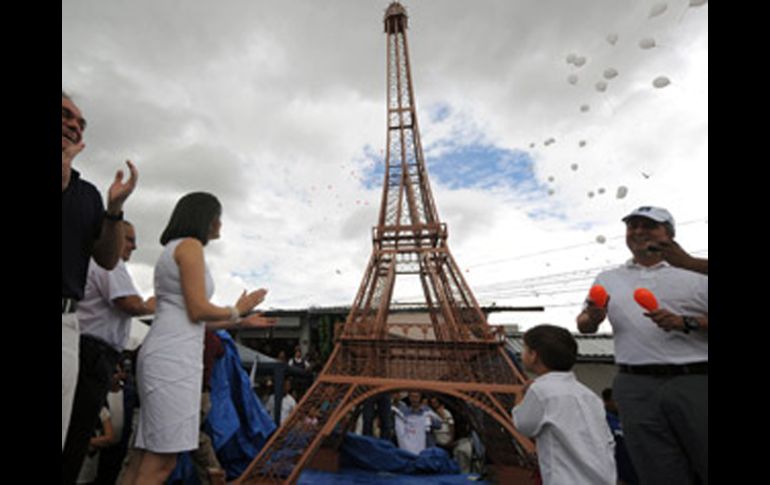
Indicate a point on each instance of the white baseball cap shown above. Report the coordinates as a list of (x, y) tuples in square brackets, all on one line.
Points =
[(657, 214)]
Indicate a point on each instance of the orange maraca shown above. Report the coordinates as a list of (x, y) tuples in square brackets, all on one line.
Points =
[(646, 299), (598, 295)]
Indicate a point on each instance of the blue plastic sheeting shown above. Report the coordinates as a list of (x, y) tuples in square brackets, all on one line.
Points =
[(368, 453), (184, 472), (237, 423), (364, 477)]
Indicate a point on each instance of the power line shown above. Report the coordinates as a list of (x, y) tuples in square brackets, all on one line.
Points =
[(567, 282), (566, 248)]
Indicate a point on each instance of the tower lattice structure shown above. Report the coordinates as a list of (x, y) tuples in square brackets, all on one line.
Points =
[(452, 352)]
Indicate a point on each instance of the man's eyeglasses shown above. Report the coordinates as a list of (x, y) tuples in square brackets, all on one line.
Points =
[(68, 115)]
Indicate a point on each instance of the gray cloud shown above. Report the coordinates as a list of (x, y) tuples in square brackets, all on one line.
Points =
[(271, 106)]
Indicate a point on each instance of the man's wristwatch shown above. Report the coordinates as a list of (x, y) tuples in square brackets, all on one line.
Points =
[(114, 217), (690, 324)]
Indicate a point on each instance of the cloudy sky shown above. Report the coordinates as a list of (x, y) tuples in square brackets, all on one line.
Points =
[(541, 123)]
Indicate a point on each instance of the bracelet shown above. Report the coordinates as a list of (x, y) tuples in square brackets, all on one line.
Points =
[(235, 316), (113, 217)]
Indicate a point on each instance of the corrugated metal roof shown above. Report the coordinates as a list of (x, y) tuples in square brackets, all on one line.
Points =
[(590, 347), (395, 308)]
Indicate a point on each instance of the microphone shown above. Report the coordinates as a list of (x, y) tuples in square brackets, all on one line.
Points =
[(646, 299), (598, 295)]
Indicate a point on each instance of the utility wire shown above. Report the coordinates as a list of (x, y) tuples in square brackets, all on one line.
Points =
[(566, 248)]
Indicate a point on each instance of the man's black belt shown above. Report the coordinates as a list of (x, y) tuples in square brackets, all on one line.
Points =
[(68, 305), (665, 369), (98, 345)]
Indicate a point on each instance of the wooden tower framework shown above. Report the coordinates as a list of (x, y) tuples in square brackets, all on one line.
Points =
[(456, 354)]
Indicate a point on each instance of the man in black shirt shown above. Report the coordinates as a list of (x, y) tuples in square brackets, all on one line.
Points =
[(87, 230)]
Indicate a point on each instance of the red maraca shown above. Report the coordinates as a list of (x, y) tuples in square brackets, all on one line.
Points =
[(645, 298), (598, 295)]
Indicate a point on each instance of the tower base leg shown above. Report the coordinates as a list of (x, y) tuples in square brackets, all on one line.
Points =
[(512, 474), (325, 460)]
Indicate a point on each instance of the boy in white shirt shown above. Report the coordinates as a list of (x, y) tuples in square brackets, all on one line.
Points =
[(574, 444), (413, 423)]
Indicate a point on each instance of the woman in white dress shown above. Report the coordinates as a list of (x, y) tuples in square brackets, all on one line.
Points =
[(170, 362)]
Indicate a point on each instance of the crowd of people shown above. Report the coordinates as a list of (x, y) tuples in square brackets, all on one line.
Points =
[(651, 427)]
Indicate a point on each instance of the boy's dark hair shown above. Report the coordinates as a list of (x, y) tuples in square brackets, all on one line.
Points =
[(555, 346), (192, 217), (607, 394)]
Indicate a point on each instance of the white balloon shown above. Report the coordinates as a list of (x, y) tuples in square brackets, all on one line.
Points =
[(610, 73), (601, 86), (697, 3), (612, 38), (661, 82), (601, 239), (658, 9), (584, 108), (647, 43), (572, 79), (579, 61), (622, 192)]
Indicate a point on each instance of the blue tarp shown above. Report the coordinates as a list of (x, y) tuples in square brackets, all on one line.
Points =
[(349, 476), (368, 453), (367, 460), (237, 423)]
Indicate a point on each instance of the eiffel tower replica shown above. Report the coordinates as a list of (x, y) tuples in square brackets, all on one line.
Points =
[(454, 354)]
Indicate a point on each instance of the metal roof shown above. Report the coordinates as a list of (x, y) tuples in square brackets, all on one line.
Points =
[(591, 348), (396, 308)]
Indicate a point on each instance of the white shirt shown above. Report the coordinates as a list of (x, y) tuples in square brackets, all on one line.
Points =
[(115, 402), (412, 427), (638, 340), (444, 435), (288, 403), (566, 419), (97, 314)]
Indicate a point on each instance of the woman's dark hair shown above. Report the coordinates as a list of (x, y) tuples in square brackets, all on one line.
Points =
[(555, 346), (192, 217)]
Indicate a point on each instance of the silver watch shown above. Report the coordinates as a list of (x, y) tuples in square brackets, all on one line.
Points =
[(690, 324)]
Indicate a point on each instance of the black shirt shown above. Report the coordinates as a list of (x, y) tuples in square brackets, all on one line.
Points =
[(82, 211)]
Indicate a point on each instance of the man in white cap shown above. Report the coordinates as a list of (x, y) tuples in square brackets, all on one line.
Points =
[(662, 354)]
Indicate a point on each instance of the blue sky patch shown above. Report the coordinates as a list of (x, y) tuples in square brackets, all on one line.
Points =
[(255, 276), (478, 166), (439, 112), (485, 167), (373, 168)]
